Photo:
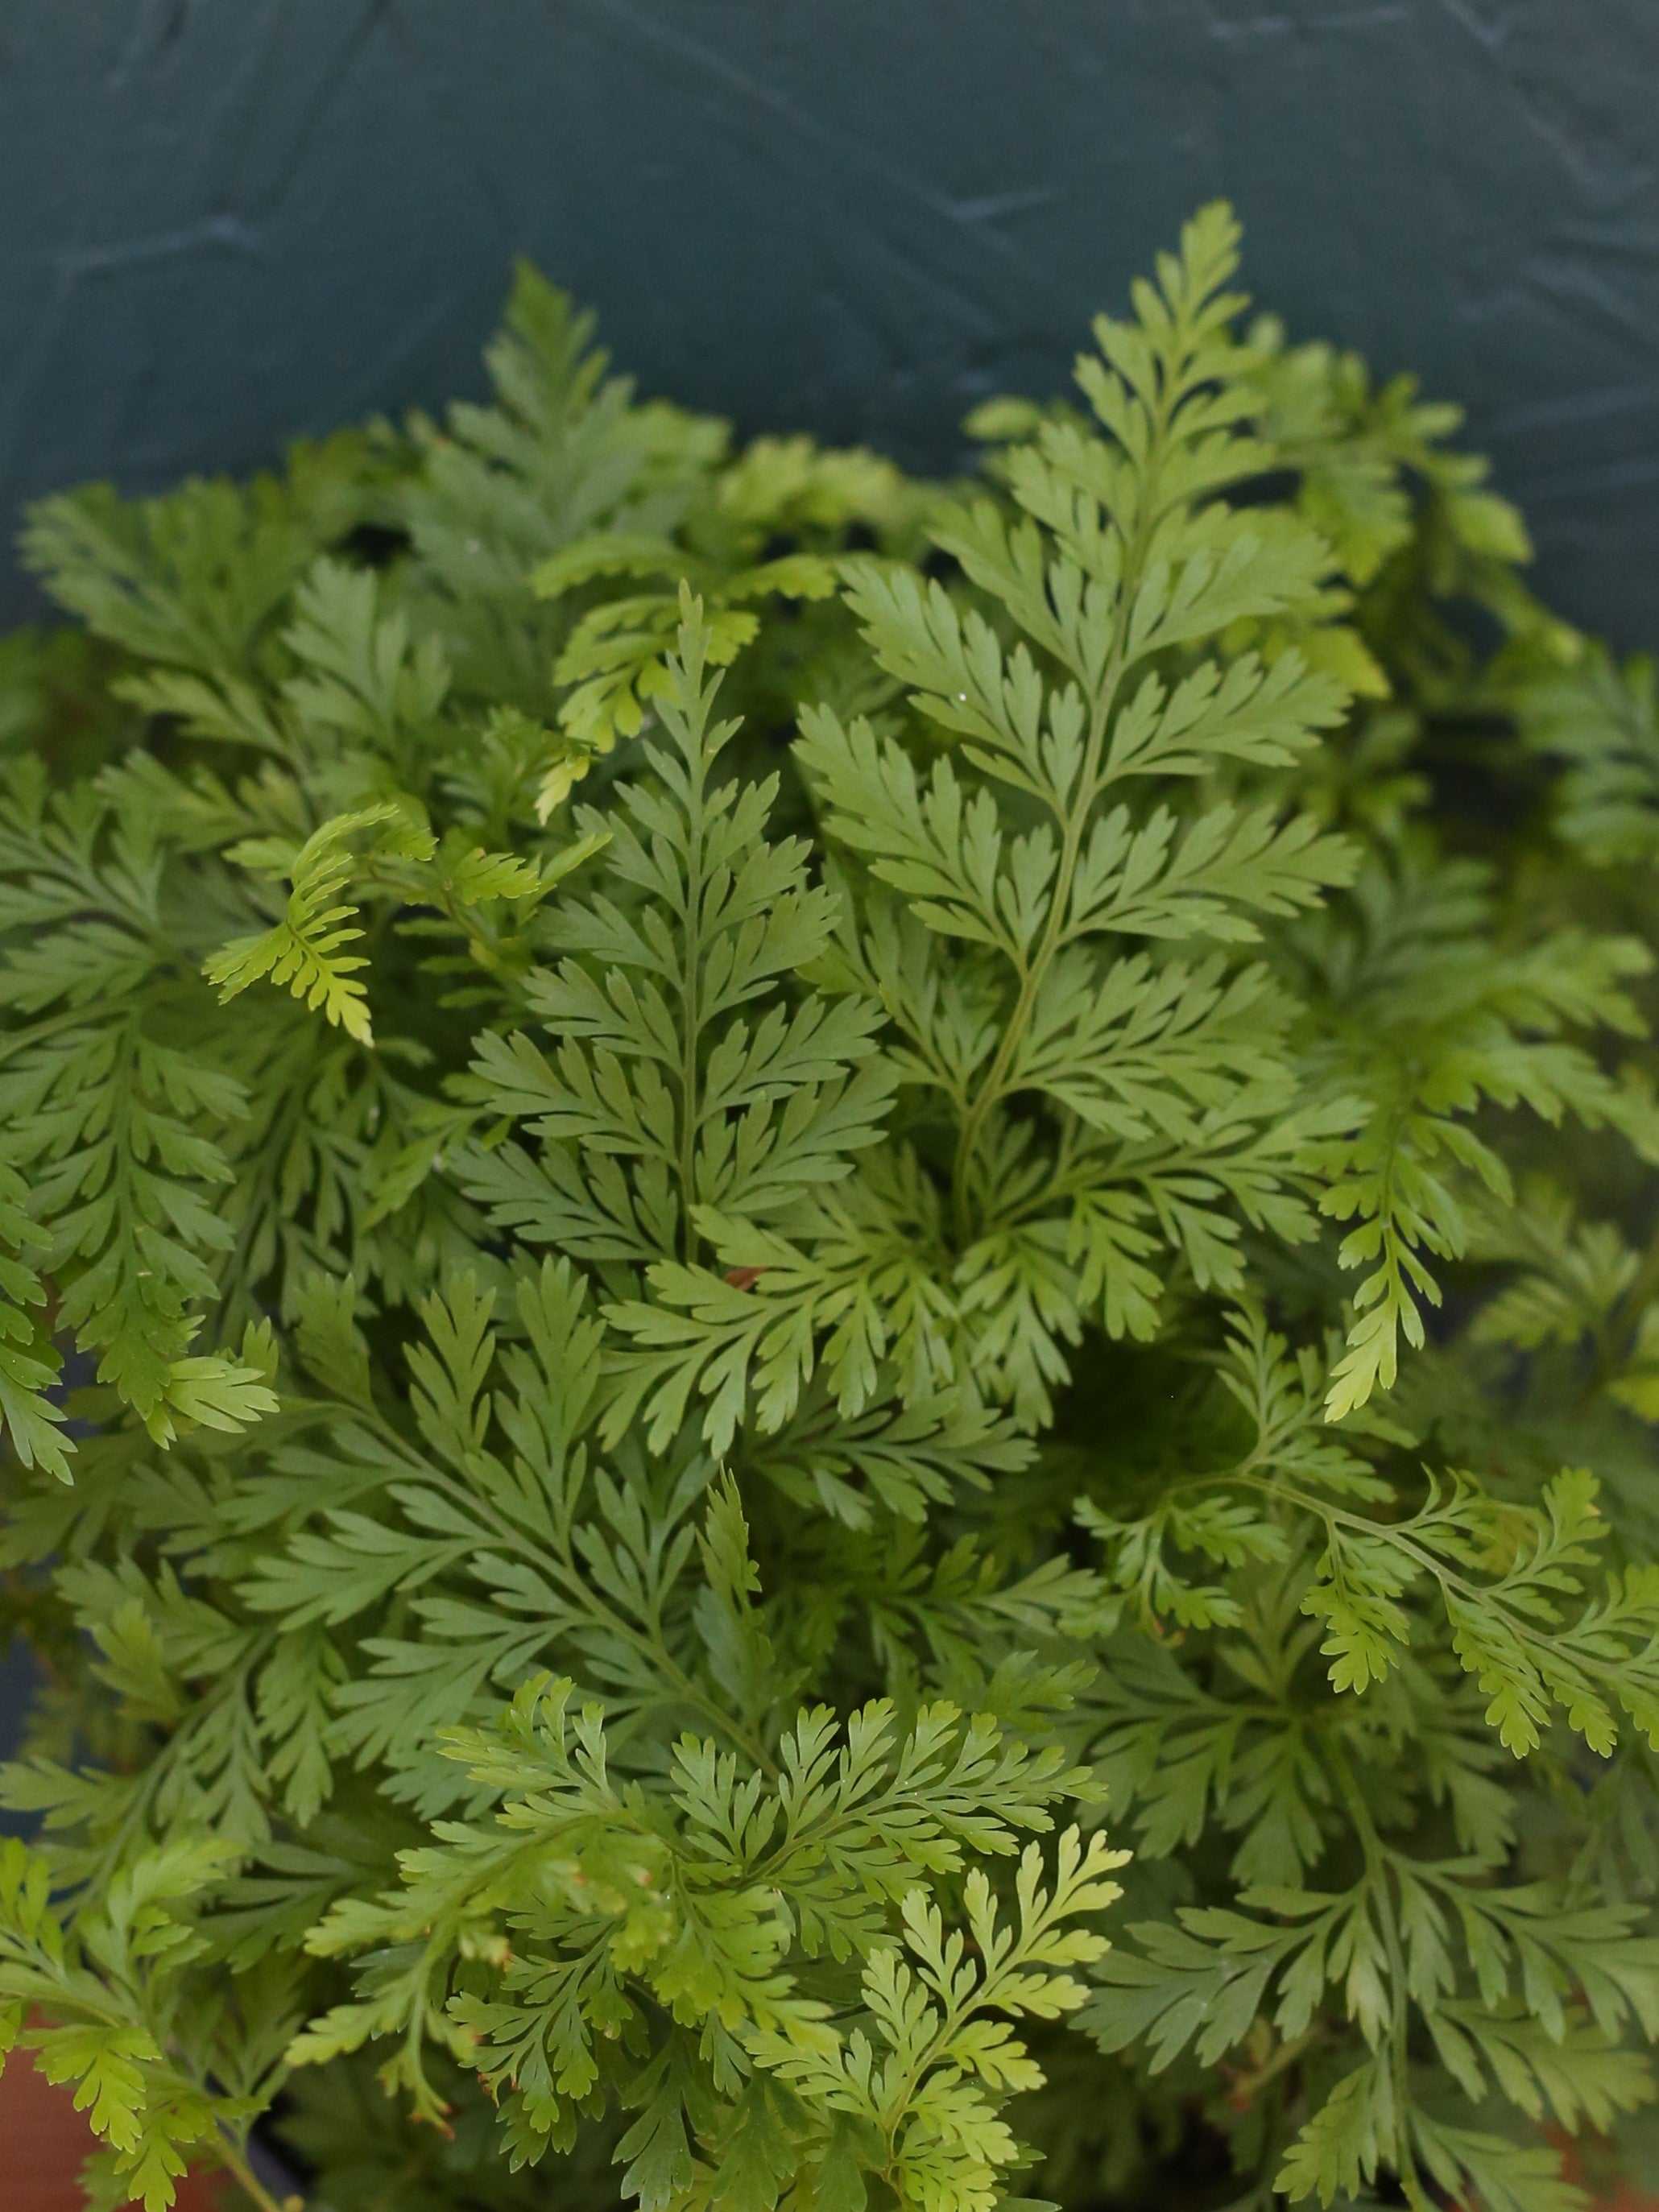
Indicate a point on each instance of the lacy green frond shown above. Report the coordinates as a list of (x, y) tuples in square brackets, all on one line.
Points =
[(727, 1184)]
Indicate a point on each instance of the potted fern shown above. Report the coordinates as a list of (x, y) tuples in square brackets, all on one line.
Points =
[(867, 1355)]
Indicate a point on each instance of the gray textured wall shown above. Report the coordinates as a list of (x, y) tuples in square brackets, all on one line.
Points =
[(228, 221), (224, 222)]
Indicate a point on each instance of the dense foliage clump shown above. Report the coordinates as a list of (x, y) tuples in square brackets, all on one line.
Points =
[(773, 1193)]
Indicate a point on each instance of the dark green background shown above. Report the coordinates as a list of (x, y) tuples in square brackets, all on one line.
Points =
[(223, 222)]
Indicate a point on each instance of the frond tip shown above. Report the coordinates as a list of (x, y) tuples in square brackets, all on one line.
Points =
[(303, 951)]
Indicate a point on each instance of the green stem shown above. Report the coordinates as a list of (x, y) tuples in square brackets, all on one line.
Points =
[(234, 2160)]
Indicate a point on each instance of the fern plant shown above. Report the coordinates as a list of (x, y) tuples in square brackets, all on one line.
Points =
[(828, 1368)]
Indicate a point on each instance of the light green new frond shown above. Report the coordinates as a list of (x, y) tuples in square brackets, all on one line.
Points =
[(1431, 1028), (211, 1392), (776, 492), (303, 952), (928, 2074), (1507, 1577), (698, 1899), (615, 664)]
